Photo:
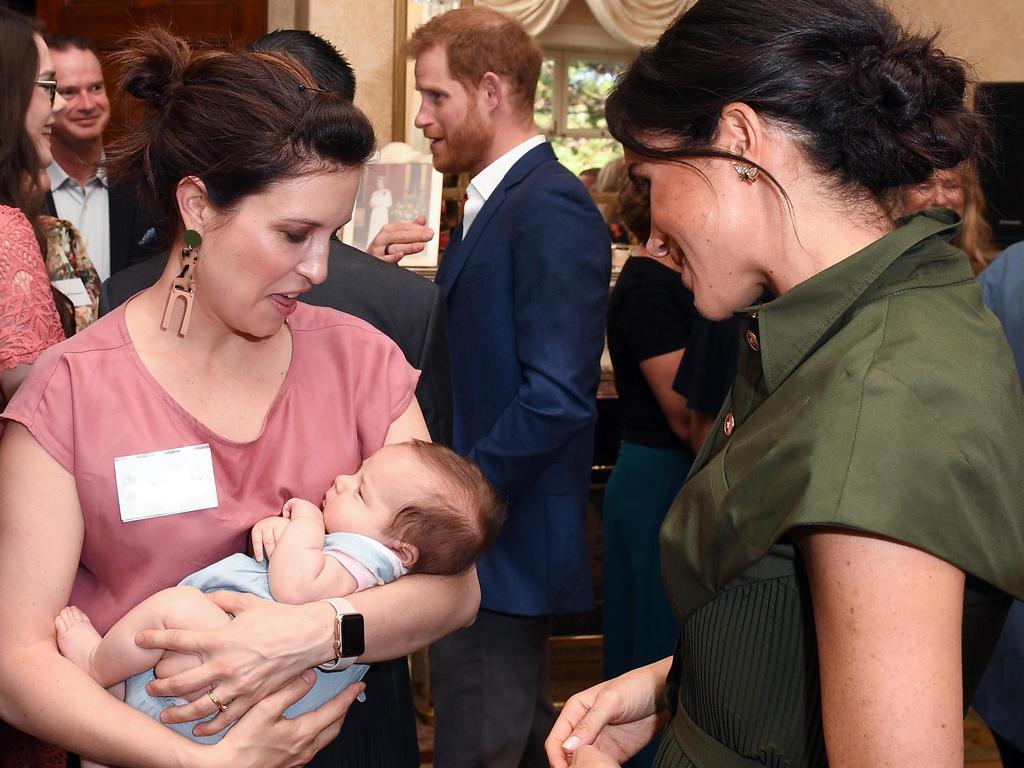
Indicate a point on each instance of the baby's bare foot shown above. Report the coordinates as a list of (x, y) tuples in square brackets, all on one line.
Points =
[(76, 636)]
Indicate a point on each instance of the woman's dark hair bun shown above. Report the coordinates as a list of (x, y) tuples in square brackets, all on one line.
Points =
[(153, 63), (874, 105), (905, 112)]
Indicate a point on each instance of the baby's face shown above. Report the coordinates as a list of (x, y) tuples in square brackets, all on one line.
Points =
[(367, 501)]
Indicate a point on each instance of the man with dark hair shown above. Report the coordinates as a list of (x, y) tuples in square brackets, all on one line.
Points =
[(108, 218), (328, 66), (525, 278)]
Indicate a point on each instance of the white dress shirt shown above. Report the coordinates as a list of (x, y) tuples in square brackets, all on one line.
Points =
[(482, 185), (88, 208)]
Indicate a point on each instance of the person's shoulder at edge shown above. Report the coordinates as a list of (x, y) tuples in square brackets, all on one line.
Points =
[(12, 219), (1009, 260), (105, 334), (552, 180), (347, 258)]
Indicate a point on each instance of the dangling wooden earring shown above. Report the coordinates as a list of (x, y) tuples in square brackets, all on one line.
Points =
[(747, 173), (181, 288)]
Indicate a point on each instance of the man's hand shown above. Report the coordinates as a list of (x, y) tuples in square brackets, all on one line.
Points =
[(400, 238)]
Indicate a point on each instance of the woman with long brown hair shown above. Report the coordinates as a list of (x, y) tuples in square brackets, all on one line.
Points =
[(29, 319)]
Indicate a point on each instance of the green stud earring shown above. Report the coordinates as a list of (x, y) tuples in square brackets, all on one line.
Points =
[(192, 238)]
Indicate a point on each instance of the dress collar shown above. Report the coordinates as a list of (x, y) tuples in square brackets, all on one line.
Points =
[(792, 326)]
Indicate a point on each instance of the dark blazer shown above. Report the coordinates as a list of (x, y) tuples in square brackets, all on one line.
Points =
[(527, 293), (397, 302), (132, 238)]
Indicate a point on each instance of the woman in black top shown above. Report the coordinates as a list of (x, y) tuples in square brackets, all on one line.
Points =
[(650, 314)]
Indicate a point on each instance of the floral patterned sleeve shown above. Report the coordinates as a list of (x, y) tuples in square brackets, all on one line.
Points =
[(66, 258), (28, 317)]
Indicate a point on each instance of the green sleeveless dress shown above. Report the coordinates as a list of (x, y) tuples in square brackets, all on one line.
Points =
[(878, 396)]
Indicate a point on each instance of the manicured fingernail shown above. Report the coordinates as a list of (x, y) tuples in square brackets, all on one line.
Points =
[(309, 675), (571, 743)]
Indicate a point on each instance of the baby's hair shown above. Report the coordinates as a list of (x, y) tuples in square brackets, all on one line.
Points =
[(455, 522)]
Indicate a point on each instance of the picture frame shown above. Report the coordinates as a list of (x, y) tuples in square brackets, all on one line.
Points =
[(399, 184)]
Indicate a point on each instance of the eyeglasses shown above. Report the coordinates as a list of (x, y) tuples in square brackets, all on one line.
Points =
[(51, 88)]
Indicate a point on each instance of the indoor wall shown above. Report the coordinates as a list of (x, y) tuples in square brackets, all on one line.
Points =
[(986, 33)]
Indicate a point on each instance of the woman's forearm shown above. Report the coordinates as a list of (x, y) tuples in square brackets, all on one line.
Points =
[(40, 691), (48, 696), (413, 611)]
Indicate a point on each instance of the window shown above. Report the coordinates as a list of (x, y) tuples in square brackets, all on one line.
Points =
[(570, 106)]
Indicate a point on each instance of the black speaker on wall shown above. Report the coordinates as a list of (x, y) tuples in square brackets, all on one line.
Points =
[(1002, 179)]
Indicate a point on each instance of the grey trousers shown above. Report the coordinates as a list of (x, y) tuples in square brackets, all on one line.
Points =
[(491, 684)]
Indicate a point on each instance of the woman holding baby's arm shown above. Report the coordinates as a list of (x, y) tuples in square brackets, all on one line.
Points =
[(155, 439)]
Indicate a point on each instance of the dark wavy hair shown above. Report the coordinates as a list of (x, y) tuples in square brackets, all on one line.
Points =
[(239, 120), (20, 167), (329, 68), (873, 106), (19, 65)]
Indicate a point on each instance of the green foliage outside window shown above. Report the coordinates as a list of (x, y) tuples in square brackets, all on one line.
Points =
[(573, 118), (579, 154), (589, 85)]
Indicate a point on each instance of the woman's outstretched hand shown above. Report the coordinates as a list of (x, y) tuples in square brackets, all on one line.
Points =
[(617, 718), (266, 646), (264, 739)]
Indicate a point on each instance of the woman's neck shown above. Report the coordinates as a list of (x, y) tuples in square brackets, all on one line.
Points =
[(816, 234), (208, 339)]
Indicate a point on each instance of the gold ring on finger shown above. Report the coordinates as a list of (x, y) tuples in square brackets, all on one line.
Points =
[(217, 702)]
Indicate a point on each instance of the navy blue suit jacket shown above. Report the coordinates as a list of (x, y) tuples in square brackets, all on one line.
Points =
[(526, 295)]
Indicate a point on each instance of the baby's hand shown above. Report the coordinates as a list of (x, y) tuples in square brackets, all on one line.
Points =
[(265, 535), (296, 508)]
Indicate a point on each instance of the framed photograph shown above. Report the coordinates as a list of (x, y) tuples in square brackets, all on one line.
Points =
[(398, 185)]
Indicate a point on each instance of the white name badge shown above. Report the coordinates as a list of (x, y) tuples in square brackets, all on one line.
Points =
[(165, 482), (74, 289)]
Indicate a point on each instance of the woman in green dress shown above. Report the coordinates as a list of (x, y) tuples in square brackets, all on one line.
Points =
[(840, 560)]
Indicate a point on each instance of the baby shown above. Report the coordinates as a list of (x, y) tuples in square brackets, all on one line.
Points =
[(411, 508)]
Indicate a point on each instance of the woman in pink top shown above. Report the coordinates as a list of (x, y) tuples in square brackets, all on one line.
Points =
[(146, 446)]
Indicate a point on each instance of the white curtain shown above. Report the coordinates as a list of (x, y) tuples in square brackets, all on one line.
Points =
[(637, 21), (632, 21), (534, 15)]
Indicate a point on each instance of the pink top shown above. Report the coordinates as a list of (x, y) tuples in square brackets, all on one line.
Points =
[(91, 399), (28, 317)]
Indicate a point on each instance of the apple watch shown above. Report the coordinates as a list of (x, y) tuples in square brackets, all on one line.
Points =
[(349, 640)]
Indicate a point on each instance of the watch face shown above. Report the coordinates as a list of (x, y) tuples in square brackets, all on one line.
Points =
[(352, 641)]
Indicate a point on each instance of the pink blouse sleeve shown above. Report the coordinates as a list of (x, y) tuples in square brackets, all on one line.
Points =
[(28, 316)]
